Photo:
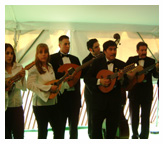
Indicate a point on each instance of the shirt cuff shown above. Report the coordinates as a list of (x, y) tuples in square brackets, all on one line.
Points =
[(98, 82)]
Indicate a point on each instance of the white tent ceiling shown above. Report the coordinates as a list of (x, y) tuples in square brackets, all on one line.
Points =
[(142, 18)]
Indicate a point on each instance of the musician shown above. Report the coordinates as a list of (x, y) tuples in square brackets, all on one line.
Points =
[(141, 94), (45, 109), (70, 100), (105, 105), (94, 49), (14, 114)]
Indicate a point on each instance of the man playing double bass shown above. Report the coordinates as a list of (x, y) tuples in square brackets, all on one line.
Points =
[(141, 94), (94, 49)]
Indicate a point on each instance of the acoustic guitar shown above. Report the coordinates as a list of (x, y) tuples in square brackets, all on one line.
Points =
[(140, 75), (112, 77), (58, 83), (11, 80), (77, 72)]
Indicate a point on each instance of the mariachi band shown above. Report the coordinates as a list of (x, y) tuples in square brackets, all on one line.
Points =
[(55, 82)]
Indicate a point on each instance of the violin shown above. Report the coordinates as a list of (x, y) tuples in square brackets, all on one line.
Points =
[(10, 81)]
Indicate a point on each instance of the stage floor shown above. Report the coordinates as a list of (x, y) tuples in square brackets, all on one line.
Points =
[(83, 133)]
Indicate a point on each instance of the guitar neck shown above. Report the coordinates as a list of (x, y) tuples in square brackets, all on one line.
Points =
[(84, 65), (17, 77), (61, 79), (146, 69), (88, 63), (125, 70)]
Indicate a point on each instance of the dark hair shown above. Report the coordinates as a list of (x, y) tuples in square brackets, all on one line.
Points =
[(109, 43), (91, 42), (14, 56), (141, 44), (63, 37), (37, 61)]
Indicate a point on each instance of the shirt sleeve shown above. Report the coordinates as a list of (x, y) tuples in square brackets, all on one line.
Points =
[(40, 90)]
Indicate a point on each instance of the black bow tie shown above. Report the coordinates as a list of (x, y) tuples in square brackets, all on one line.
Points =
[(141, 59), (64, 55), (108, 62)]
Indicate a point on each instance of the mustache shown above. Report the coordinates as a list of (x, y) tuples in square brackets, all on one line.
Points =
[(113, 55), (143, 54)]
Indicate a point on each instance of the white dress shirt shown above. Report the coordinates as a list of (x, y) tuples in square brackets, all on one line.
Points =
[(14, 98), (36, 83), (66, 60), (110, 66), (141, 63)]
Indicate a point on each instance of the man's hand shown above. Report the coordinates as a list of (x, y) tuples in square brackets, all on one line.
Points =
[(131, 74), (53, 88), (120, 75)]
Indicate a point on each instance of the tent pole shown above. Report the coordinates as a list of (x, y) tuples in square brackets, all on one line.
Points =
[(31, 46)]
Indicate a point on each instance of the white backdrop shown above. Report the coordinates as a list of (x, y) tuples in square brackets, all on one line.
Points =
[(24, 39)]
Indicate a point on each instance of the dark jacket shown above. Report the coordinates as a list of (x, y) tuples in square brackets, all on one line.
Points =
[(143, 90), (102, 100), (56, 61)]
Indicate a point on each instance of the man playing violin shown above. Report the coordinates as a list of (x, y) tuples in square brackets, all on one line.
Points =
[(141, 94), (105, 105), (70, 101)]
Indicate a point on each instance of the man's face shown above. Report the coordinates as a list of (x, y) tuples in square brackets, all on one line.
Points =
[(142, 52), (64, 46), (95, 49), (110, 53)]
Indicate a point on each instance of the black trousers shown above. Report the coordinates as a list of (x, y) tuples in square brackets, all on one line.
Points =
[(14, 123), (45, 115), (69, 109), (88, 97), (134, 107), (112, 116)]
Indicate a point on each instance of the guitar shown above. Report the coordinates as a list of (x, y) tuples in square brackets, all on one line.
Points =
[(77, 72), (16, 77), (140, 75), (112, 76), (69, 69), (58, 83)]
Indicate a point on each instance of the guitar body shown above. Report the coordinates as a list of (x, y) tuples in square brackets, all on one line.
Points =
[(104, 74), (9, 81), (8, 84), (76, 75), (137, 79), (53, 95)]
